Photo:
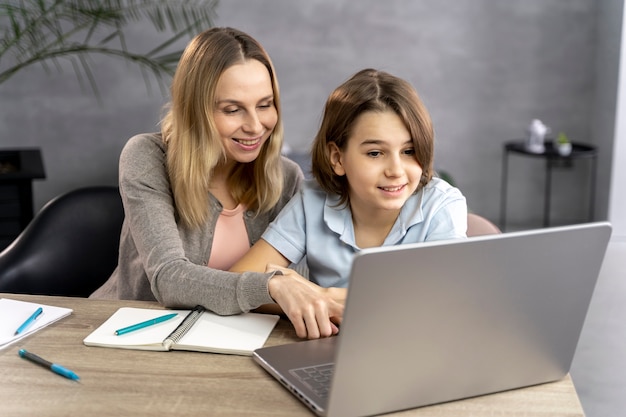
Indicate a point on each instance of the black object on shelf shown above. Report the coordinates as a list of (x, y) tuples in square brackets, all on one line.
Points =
[(18, 169), (553, 159)]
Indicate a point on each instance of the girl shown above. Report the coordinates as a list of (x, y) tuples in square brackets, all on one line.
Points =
[(372, 160)]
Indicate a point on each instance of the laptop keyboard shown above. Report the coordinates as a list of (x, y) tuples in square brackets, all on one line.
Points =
[(316, 377)]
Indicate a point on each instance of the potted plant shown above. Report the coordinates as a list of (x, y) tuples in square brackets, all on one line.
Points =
[(47, 31), (563, 145)]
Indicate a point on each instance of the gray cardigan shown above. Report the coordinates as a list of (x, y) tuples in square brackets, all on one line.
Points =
[(161, 260)]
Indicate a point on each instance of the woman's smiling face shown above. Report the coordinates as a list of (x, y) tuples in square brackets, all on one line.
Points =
[(245, 114)]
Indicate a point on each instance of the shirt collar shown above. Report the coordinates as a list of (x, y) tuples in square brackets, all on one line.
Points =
[(338, 218)]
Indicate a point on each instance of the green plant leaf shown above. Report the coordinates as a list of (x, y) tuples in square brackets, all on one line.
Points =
[(46, 31), (562, 138)]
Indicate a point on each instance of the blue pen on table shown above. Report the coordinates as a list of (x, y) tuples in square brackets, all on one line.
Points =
[(29, 321), (58, 369), (144, 324)]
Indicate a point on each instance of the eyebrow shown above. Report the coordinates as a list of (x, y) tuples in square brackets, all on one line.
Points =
[(380, 141), (232, 101)]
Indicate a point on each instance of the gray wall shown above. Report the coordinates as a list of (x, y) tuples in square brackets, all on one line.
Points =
[(484, 68), (608, 52), (617, 197)]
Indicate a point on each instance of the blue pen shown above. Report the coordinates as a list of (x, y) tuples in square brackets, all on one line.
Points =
[(145, 324), (29, 321), (57, 369)]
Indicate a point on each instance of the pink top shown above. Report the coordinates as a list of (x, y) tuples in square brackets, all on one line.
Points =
[(230, 240)]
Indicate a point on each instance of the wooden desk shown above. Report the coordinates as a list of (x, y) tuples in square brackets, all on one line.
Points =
[(117, 382)]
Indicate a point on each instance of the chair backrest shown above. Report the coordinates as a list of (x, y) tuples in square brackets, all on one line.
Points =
[(70, 248), (478, 225)]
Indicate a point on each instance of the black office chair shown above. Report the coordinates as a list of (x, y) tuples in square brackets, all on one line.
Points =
[(70, 248)]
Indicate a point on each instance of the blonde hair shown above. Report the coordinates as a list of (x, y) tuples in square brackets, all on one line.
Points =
[(370, 90), (192, 140)]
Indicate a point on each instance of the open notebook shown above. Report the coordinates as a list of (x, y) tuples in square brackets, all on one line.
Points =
[(15, 312), (238, 334)]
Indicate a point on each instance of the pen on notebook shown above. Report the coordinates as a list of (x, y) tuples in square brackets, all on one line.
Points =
[(144, 324), (58, 369), (29, 321)]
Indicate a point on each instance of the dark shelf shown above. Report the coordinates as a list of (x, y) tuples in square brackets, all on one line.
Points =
[(18, 169)]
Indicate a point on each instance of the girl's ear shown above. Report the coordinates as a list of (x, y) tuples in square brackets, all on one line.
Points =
[(335, 158)]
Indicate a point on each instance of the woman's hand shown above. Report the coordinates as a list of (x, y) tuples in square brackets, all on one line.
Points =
[(314, 311)]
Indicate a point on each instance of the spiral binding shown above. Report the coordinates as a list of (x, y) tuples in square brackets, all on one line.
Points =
[(184, 326)]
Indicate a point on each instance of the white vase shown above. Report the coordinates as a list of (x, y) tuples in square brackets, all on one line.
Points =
[(564, 149)]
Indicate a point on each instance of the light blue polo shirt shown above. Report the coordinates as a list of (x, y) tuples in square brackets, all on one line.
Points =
[(312, 224)]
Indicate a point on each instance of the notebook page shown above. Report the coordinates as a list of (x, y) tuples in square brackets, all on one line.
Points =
[(148, 338), (14, 312), (239, 334)]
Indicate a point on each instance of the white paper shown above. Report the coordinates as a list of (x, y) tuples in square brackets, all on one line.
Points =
[(238, 334), (13, 313)]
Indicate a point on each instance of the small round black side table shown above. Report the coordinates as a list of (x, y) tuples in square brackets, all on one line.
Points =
[(552, 157)]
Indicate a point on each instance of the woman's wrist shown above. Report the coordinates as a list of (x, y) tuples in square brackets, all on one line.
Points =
[(273, 284)]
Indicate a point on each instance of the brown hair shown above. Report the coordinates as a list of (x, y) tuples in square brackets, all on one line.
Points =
[(370, 90)]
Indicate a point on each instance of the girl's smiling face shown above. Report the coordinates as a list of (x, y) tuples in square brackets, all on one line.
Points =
[(379, 163)]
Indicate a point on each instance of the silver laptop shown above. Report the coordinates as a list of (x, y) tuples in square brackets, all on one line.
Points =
[(434, 322)]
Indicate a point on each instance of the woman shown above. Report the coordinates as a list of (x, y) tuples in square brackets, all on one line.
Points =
[(198, 194)]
